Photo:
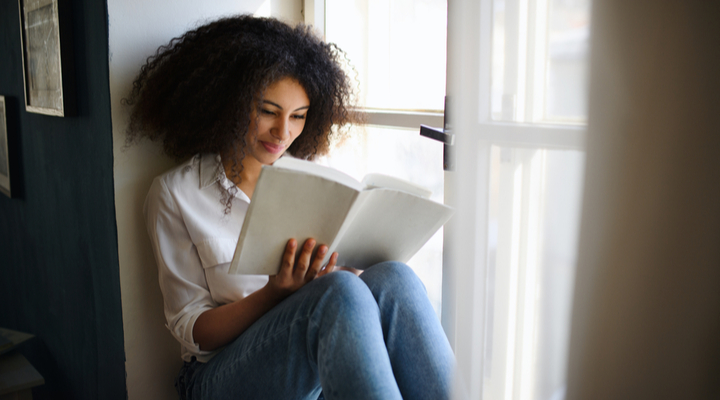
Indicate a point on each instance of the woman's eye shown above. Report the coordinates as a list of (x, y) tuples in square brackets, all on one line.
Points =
[(299, 116), (267, 112)]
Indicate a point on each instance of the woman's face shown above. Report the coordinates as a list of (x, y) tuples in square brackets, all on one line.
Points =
[(280, 119)]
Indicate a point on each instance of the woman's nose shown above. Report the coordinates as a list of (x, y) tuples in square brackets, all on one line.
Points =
[(281, 130)]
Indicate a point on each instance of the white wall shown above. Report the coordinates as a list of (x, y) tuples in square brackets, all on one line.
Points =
[(136, 29)]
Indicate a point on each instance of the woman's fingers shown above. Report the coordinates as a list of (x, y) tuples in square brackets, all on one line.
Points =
[(283, 281), (297, 271), (330, 265), (316, 263), (303, 261), (288, 260)]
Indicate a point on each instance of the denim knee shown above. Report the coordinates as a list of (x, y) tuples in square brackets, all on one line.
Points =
[(394, 270), (391, 274), (345, 288)]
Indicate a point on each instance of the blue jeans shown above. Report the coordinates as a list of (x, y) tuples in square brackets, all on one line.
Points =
[(370, 337)]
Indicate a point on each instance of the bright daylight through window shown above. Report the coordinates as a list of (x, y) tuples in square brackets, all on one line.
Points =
[(397, 49), (537, 72)]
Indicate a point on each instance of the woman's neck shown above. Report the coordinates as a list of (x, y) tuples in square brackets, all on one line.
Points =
[(248, 176)]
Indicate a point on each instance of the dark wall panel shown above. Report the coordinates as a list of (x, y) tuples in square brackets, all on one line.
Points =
[(59, 275)]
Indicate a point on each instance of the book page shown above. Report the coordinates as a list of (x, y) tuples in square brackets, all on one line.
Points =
[(372, 181), (389, 226), (319, 170), (288, 204)]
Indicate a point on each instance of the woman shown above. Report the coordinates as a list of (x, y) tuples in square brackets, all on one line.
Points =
[(230, 97)]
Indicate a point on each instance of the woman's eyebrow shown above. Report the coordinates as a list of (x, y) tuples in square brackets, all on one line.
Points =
[(278, 105)]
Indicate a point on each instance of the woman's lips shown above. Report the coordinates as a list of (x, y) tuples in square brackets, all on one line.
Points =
[(272, 148)]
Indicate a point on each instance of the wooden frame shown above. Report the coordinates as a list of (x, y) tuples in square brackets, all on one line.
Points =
[(4, 150), (47, 59)]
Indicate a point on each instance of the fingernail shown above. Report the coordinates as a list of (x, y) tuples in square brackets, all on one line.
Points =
[(322, 250)]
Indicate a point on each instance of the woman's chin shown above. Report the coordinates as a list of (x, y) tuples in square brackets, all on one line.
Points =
[(269, 159)]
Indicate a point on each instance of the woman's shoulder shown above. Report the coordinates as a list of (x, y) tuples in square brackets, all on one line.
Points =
[(186, 180), (185, 183), (193, 173)]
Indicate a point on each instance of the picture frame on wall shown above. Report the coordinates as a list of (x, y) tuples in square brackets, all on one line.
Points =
[(4, 150), (47, 57)]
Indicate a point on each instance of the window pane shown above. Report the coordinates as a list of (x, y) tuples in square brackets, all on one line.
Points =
[(534, 211), (498, 60), (539, 60), (397, 48), (568, 36), (405, 154)]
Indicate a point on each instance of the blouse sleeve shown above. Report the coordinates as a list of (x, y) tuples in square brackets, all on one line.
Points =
[(182, 280)]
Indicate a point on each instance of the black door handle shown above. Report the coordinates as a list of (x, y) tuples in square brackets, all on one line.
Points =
[(448, 139)]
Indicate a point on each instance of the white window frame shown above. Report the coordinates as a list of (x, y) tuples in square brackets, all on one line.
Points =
[(470, 41)]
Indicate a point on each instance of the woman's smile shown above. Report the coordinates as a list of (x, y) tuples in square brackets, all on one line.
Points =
[(273, 148)]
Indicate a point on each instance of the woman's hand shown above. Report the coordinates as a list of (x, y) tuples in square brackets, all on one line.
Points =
[(294, 273), (220, 325)]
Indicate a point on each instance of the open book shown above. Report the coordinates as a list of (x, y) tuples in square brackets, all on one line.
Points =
[(379, 219)]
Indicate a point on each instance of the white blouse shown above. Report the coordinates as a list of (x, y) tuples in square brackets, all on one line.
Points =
[(193, 241)]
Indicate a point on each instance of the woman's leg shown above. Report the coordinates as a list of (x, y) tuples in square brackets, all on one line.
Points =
[(328, 333), (420, 354)]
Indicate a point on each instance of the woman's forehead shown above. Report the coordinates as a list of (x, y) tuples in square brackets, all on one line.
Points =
[(286, 93)]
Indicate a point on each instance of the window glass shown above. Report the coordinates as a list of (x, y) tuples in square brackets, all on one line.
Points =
[(534, 211), (397, 48), (538, 67), (568, 40), (539, 60)]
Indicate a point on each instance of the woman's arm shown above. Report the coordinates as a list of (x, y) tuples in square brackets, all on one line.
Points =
[(219, 326)]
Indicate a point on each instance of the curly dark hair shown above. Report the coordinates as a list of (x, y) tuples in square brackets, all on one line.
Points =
[(197, 93)]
